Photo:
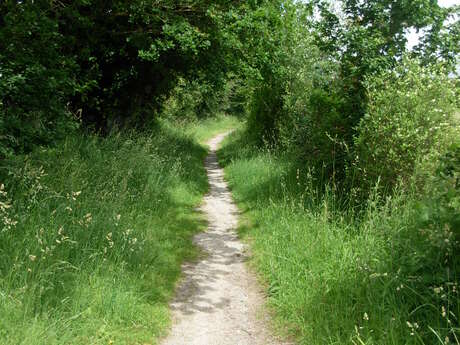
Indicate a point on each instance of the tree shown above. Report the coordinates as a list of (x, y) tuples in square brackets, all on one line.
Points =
[(105, 62)]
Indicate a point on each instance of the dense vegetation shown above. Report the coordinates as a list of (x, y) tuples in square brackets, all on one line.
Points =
[(349, 172), (101, 63), (349, 163)]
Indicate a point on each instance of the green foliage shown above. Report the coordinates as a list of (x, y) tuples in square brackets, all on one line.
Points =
[(338, 117), (410, 114), (442, 190), (36, 78), (264, 36), (196, 99), (327, 97), (318, 130), (368, 258), (93, 233), (106, 63), (370, 36), (441, 44), (387, 276), (308, 93)]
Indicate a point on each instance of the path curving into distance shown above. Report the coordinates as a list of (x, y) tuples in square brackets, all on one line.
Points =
[(218, 301)]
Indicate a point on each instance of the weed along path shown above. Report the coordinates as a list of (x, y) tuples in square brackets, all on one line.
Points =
[(218, 301)]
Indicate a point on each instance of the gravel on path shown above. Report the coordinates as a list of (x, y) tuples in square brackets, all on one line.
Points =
[(218, 301)]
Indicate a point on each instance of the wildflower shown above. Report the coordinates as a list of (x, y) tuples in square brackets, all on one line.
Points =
[(443, 311), (32, 257), (365, 317)]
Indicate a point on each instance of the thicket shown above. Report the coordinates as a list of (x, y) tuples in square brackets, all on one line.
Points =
[(358, 238)]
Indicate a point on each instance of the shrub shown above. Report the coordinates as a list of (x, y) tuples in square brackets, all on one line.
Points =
[(410, 114), (322, 133)]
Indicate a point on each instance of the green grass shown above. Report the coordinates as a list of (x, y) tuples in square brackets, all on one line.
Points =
[(380, 276), (206, 129), (103, 225)]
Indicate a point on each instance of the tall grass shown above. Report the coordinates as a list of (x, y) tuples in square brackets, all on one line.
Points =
[(203, 130), (93, 233), (384, 274)]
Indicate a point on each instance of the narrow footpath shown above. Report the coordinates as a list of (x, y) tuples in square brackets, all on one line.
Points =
[(218, 301)]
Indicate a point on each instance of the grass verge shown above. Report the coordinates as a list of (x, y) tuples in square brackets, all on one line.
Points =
[(93, 233), (384, 275), (203, 130)]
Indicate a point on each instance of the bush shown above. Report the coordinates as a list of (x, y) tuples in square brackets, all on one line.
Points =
[(321, 132), (410, 114), (315, 124)]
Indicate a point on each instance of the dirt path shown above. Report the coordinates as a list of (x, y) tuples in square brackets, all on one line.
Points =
[(218, 301)]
